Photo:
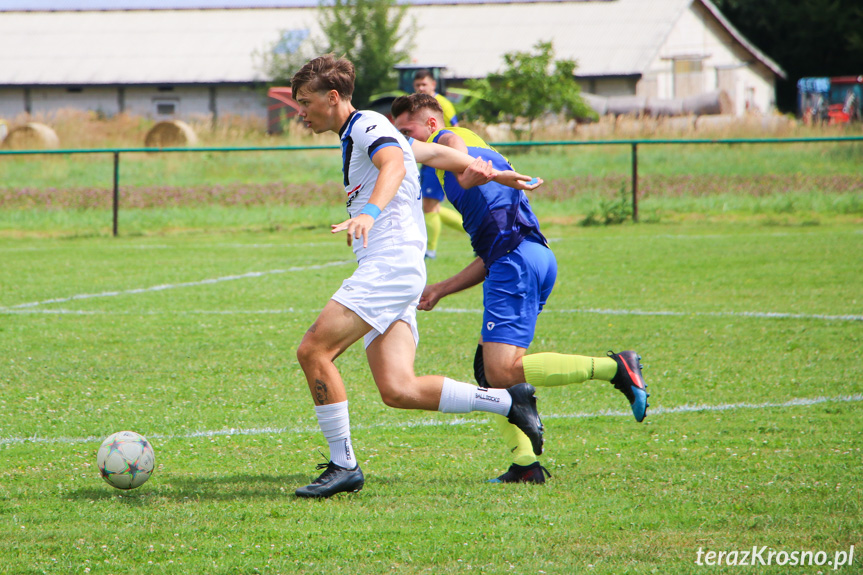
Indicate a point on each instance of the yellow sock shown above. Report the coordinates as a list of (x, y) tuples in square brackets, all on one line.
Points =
[(451, 218), (552, 369), (516, 441), (433, 229)]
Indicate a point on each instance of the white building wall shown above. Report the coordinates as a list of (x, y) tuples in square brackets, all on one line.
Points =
[(48, 100), (187, 102), (725, 63), (11, 102), (241, 101)]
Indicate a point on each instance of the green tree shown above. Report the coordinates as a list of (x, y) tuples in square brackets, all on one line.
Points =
[(373, 34), (285, 56), (532, 85)]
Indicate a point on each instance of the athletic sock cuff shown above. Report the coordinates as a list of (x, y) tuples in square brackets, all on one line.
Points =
[(534, 370)]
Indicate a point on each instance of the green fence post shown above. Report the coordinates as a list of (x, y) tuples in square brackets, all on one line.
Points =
[(116, 202), (634, 182)]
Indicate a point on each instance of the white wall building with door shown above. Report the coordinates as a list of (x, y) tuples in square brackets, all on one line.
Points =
[(205, 60)]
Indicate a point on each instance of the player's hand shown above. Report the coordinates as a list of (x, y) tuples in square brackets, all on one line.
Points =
[(357, 228), (478, 173), (431, 295), (518, 181)]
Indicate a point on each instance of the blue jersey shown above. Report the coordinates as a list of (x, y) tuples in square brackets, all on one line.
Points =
[(496, 217)]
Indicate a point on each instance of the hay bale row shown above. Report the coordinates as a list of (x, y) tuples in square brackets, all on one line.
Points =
[(710, 103)]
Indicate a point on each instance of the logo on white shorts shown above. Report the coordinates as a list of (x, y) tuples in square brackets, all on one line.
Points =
[(489, 326)]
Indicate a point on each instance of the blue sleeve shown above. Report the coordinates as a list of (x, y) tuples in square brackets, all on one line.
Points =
[(382, 142)]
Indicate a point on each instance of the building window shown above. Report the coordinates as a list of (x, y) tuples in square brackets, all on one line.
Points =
[(164, 108)]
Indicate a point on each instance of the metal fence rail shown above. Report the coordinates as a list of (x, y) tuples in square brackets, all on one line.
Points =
[(634, 144)]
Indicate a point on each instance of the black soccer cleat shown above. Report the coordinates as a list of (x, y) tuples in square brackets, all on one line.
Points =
[(523, 414), (335, 479), (629, 381), (533, 473)]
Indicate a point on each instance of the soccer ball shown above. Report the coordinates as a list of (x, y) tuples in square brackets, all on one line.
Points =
[(126, 460)]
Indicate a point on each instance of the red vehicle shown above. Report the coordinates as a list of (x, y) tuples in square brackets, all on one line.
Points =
[(836, 100), (281, 109)]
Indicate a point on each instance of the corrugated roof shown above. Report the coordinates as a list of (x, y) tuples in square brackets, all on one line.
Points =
[(607, 37), (85, 5)]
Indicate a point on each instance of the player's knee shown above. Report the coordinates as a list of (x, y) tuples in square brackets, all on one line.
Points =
[(307, 354), (500, 376), (394, 397)]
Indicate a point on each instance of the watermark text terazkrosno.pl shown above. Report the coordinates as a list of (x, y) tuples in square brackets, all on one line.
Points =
[(764, 555)]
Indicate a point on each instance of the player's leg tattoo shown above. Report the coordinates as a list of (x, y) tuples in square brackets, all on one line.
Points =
[(321, 393)]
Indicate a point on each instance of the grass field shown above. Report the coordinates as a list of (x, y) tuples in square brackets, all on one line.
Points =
[(751, 337)]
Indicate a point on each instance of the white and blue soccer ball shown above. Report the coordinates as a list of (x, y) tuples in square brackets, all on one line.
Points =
[(126, 460)]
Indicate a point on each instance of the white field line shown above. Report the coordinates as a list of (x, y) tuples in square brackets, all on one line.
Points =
[(21, 309), (657, 411), (171, 286), (178, 247)]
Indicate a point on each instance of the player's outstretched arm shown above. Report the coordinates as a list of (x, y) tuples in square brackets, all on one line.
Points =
[(518, 181), (470, 276), (451, 155), (481, 172), (441, 157)]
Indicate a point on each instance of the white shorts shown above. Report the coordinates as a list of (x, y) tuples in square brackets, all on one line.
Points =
[(386, 288)]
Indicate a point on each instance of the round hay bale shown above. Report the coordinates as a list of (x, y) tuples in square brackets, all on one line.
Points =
[(717, 102), (598, 103), (32, 136), (170, 134), (626, 105), (4, 130)]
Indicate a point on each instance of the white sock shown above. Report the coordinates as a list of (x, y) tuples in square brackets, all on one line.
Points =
[(336, 425), (458, 397)]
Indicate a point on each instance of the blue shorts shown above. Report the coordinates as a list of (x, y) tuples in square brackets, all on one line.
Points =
[(515, 291), (430, 184)]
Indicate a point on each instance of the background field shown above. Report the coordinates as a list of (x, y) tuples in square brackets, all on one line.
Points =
[(742, 291), (754, 436), (269, 191)]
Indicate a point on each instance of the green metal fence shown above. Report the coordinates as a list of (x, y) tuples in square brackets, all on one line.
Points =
[(633, 144)]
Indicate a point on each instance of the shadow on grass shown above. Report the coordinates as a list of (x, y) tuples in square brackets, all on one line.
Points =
[(241, 487), (218, 488)]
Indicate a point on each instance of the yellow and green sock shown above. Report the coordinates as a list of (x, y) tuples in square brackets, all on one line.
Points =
[(451, 218), (554, 369), (433, 225), (516, 441)]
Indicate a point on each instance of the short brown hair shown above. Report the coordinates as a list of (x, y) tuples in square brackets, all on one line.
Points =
[(423, 73), (413, 103), (326, 73)]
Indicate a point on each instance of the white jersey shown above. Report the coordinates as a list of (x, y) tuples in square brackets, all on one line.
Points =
[(401, 221)]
